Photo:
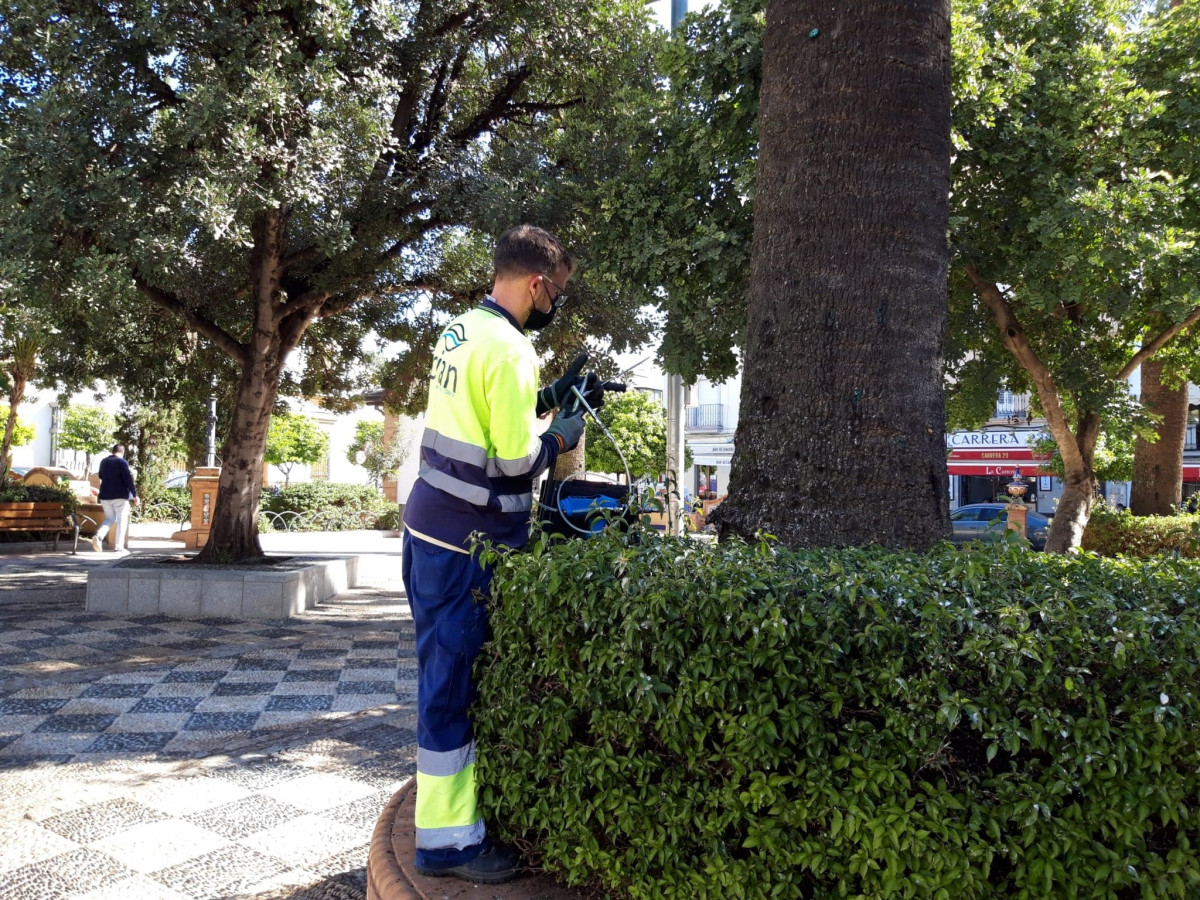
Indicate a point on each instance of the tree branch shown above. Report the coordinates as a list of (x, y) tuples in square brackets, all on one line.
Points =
[(499, 106), (303, 255), (135, 57), (220, 338), (423, 228), (544, 107), (443, 83), (335, 307), (406, 103), (1015, 341), (1153, 346)]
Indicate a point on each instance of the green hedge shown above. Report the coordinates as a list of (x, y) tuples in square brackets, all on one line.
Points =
[(325, 506), (675, 719), (39, 493), (168, 505), (1120, 533)]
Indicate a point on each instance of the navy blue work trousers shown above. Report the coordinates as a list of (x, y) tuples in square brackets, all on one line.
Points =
[(447, 592)]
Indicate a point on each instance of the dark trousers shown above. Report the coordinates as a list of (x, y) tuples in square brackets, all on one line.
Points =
[(446, 592)]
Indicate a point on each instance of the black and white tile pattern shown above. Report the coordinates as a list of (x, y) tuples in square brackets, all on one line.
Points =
[(146, 757)]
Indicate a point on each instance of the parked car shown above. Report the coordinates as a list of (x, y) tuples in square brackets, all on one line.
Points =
[(17, 473), (178, 479), (987, 522)]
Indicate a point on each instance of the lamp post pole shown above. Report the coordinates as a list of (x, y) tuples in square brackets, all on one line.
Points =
[(676, 453), (211, 455)]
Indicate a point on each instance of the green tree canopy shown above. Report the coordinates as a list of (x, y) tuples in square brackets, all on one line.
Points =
[(294, 438), (366, 435), (241, 181), (88, 430), (1076, 241), (379, 457), (679, 218), (638, 424), (22, 434)]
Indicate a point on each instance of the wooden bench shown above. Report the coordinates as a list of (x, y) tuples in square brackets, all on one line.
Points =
[(39, 517)]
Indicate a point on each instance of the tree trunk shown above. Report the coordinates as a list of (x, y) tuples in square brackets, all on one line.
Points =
[(841, 437), (1073, 512), (571, 463), (15, 395), (1077, 448), (234, 535), (1158, 466)]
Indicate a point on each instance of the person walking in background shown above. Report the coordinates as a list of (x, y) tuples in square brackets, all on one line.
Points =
[(117, 492)]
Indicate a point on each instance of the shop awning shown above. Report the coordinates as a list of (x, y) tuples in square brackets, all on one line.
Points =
[(711, 454), (996, 463)]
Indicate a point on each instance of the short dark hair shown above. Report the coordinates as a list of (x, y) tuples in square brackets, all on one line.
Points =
[(118, 448), (529, 250)]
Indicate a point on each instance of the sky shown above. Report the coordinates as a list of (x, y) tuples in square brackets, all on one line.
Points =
[(662, 9)]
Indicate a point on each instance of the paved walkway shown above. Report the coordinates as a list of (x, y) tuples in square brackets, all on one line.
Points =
[(146, 757)]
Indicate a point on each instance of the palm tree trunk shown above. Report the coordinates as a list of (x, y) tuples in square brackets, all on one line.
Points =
[(841, 437)]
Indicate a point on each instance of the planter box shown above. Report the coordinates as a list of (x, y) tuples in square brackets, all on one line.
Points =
[(147, 586)]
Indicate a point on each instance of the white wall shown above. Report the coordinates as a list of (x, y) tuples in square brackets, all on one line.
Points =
[(36, 409)]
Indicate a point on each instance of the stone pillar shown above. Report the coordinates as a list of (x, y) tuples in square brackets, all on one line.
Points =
[(1018, 518), (204, 501), (391, 485)]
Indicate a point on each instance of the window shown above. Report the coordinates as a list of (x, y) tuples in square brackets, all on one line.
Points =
[(320, 469), (964, 515)]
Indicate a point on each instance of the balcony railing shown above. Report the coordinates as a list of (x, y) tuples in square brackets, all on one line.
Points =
[(708, 417), (1012, 408)]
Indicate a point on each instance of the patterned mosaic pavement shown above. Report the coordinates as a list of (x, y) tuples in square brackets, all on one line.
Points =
[(147, 757)]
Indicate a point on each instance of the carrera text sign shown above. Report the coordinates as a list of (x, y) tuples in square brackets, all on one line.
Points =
[(989, 440)]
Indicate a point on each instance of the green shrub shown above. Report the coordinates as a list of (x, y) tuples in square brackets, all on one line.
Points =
[(676, 719), (168, 505), (39, 493), (323, 506), (392, 519), (1120, 533)]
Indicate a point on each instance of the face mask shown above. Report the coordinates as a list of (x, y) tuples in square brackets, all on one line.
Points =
[(538, 320)]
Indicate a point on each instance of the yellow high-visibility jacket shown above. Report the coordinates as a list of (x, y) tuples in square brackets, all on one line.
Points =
[(479, 452)]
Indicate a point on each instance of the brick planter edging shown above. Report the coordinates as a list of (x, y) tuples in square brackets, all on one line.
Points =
[(391, 865), (385, 879)]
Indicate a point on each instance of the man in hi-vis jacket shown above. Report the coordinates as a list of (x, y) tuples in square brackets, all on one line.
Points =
[(480, 454)]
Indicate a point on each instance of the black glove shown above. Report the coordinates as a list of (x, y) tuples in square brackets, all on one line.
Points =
[(568, 429), (556, 394), (593, 390)]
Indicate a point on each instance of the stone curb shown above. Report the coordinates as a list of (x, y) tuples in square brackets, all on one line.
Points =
[(385, 879), (391, 865)]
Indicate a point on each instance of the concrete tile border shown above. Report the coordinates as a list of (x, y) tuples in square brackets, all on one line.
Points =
[(212, 592)]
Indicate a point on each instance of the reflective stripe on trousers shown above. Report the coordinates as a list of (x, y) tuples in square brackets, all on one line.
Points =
[(451, 626)]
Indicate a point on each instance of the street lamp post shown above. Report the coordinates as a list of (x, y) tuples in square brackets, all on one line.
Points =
[(676, 453), (211, 455)]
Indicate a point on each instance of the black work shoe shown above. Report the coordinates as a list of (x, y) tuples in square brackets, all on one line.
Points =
[(494, 865)]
